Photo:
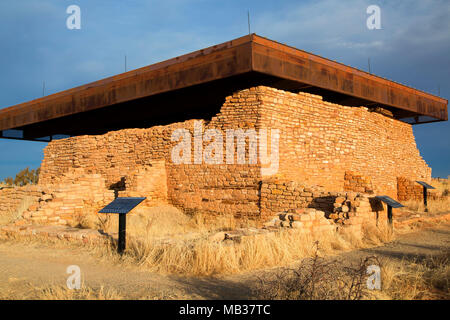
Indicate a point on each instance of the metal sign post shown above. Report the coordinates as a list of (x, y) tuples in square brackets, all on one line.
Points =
[(425, 186), (121, 244), (391, 203), (122, 206), (389, 212)]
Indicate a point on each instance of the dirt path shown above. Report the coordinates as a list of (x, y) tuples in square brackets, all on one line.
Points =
[(26, 267)]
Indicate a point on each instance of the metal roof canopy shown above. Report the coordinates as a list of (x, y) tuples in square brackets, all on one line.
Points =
[(195, 85)]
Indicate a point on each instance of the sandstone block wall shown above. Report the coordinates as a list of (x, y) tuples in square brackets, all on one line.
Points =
[(13, 198), (410, 190), (222, 188), (357, 183), (225, 188), (278, 195), (67, 202), (322, 140), (113, 155), (149, 181), (322, 144)]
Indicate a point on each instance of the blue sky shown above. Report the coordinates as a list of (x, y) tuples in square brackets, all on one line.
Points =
[(413, 47)]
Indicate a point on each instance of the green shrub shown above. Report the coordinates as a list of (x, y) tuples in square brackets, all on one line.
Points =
[(24, 177)]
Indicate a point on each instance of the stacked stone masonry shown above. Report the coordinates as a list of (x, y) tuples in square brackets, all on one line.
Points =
[(68, 202), (357, 183), (13, 198), (322, 147), (350, 210), (411, 190)]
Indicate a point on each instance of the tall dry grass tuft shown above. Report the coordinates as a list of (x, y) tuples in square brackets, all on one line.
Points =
[(428, 278), (376, 234), (434, 206)]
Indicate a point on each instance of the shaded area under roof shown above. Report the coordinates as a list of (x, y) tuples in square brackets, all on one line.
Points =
[(195, 86)]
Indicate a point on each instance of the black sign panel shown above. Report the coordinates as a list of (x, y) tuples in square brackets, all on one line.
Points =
[(426, 185), (122, 205), (390, 202)]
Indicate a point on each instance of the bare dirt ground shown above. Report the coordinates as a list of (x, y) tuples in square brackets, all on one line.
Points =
[(28, 268)]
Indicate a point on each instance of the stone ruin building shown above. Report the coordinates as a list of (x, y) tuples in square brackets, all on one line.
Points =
[(342, 136)]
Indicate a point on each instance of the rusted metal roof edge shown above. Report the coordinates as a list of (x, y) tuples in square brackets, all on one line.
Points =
[(156, 66), (268, 50), (190, 61), (290, 49)]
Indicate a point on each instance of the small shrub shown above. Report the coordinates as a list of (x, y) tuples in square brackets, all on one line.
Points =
[(316, 279), (24, 177)]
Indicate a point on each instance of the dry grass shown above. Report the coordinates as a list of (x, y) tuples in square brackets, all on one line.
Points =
[(428, 278), (177, 244), (168, 221), (16, 214), (434, 206), (84, 293), (197, 254), (316, 279), (374, 235), (442, 186), (165, 240), (204, 257), (162, 222), (323, 279), (57, 292)]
